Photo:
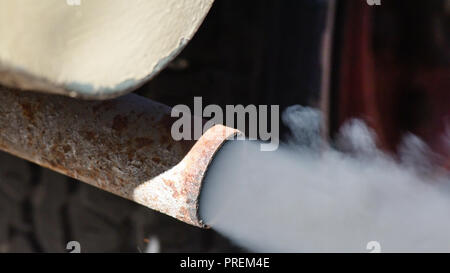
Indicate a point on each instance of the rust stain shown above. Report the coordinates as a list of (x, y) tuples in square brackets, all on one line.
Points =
[(89, 135), (156, 159), (171, 185), (120, 123), (184, 213), (67, 148), (28, 111)]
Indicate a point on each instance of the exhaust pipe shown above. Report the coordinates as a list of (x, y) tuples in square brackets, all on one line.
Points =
[(123, 146)]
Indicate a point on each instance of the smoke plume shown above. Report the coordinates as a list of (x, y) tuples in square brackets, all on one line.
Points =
[(310, 197)]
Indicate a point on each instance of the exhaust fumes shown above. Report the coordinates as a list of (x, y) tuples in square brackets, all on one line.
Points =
[(307, 197)]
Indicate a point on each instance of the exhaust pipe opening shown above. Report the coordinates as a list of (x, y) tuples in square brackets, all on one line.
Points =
[(123, 146)]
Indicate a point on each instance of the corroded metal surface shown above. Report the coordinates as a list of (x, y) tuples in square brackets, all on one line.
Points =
[(123, 146)]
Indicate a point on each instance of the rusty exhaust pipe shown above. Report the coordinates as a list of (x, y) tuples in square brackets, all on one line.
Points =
[(123, 146)]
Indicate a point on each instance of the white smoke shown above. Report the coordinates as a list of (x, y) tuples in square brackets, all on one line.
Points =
[(308, 197)]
